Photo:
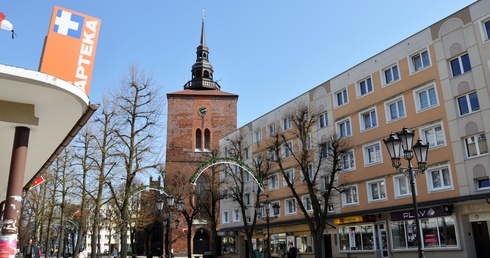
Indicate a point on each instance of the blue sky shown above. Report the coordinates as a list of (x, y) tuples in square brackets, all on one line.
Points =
[(267, 52)]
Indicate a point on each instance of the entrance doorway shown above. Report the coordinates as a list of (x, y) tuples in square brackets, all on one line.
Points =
[(381, 241), (481, 238), (201, 242)]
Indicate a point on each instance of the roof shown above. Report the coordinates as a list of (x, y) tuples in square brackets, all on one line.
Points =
[(202, 93)]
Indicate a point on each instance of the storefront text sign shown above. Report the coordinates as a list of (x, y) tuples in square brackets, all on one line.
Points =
[(423, 213)]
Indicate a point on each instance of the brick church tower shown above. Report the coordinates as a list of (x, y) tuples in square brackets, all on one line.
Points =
[(198, 116)]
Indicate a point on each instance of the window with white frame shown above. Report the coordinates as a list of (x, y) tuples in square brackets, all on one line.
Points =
[(376, 190), (439, 179), (426, 97), (324, 149), (434, 136), (347, 161), (468, 103), (307, 203), (236, 215), (344, 128), (368, 119), (460, 65), (290, 206), (402, 186), (341, 97), (247, 199), (273, 214), (391, 74), (322, 120), (271, 155), (420, 60), (287, 149), (349, 195), (287, 123), (273, 181), (258, 135), (271, 130), (310, 172), (225, 217), (476, 145), (372, 154), (482, 183), (395, 109), (486, 29), (365, 86), (246, 176), (289, 175)]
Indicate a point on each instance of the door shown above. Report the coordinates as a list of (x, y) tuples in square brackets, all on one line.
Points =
[(381, 241), (481, 238)]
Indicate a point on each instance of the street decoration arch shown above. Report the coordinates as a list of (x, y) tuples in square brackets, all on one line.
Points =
[(232, 161)]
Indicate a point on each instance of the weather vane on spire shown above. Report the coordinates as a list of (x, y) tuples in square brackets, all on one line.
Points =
[(203, 14)]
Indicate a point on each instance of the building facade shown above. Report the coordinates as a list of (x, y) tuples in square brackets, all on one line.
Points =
[(198, 116), (435, 83)]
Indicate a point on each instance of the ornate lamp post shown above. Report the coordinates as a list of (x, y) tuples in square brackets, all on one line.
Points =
[(267, 208), (166, 222), (403, 142)]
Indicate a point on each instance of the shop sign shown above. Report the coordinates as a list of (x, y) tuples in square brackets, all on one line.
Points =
[(259, 231), (423, 213), (347, 220)]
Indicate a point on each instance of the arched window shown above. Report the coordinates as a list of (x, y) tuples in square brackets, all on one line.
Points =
[(206, 74), (207, 140), (198, 140)]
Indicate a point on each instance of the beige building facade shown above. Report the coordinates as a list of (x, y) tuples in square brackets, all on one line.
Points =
[(435, 83)]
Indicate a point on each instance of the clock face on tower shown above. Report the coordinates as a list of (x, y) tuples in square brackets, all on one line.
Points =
[(202, 111)]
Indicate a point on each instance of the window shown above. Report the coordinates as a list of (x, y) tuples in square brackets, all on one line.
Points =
[(434, 136), (198, 140), (258, 135), (287, 149), (356, 237), (438, 232), (271, 155), (391, 74), (460, 65), (245, 153), (273, 181), (468, 103), (482, 183), (207, 140), (402, 186), (426, 98), (228, 245), (236, 215), (310, 172), (224, 217), (368, 119), (420, 60), (304, 243), (272, 209), (347, 161), (343, 128), (324, 149), (476, 145), (349, 196), (246, 199), (307, 203), (365, 86), (376, 190), (322, 120), (287, 123), (486, 30), (372, 154), (395, 109), (341, 97), (289, 175), (271, 130), (439, 179), (290, 206)]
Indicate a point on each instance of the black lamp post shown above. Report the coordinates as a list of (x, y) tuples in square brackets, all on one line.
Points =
[(267, 208), (403, 141), (166, 222)]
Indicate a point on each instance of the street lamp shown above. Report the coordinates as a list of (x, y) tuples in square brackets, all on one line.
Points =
[(403, 141), (267, 207), (170, 204)]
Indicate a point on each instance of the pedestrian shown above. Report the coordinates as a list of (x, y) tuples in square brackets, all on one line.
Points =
[(37, 250), (28, 249), (291, 251)]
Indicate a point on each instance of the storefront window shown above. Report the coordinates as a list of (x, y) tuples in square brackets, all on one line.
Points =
[(359, 237), (304, 244), (438, 232), (229, 245)]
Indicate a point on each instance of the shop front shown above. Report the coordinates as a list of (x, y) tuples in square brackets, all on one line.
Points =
[(280, 237)]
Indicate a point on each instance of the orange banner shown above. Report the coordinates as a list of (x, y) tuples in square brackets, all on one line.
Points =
[(69, 50)]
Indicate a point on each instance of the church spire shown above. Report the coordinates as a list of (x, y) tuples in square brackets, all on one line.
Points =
[(202, 70)]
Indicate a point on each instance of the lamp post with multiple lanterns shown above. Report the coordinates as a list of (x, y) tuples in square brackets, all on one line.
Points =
[(402, 143), (166, 222), (266, 206)]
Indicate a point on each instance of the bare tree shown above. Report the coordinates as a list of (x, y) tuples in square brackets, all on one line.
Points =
[(138, 106), (319, 165)]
